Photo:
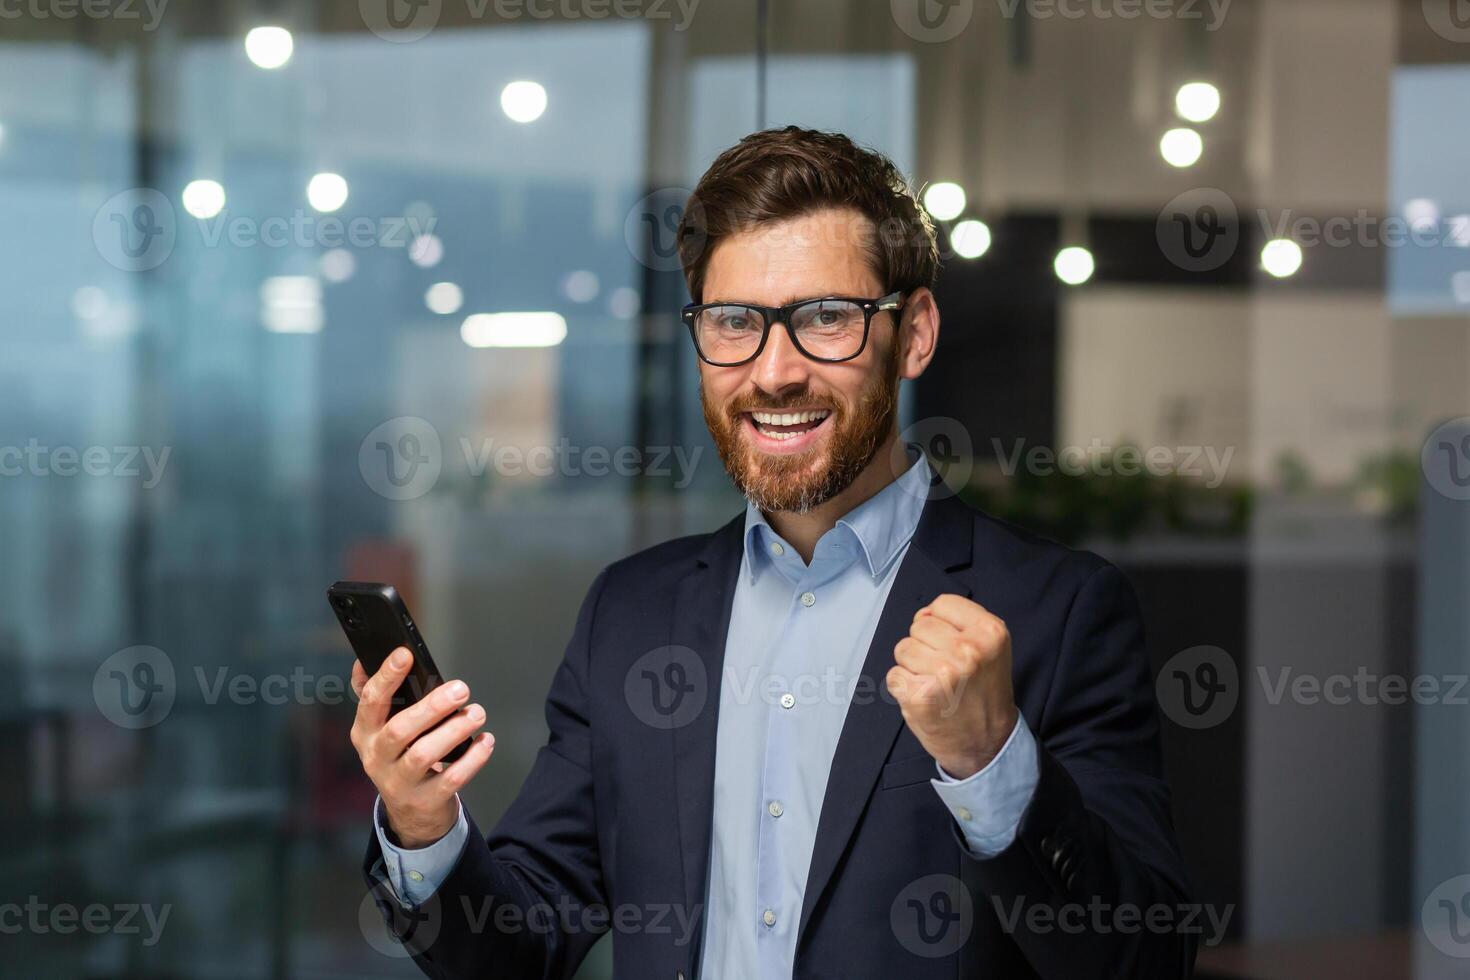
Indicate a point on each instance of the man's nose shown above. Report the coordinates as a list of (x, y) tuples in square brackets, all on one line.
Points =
[(780, 365)]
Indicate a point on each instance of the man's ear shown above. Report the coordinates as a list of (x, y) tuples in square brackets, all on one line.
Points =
[(919, 333)]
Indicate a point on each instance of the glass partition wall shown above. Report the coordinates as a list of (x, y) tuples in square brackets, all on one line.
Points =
[(333, 290)]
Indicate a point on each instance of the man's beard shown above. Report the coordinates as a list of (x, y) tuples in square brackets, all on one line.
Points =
[(798, 482)]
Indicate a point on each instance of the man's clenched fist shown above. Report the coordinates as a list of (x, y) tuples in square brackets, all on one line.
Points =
[(952, 681)]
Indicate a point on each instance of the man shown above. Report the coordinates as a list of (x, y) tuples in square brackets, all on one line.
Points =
[(861, 730)]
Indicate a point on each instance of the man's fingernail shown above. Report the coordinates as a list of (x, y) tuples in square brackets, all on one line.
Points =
[(457, 690), (400, 658)]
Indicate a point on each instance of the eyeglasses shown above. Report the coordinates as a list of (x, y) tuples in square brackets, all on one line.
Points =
[(831, 329)]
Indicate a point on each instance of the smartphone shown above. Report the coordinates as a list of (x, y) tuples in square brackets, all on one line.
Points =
[(377, 622)]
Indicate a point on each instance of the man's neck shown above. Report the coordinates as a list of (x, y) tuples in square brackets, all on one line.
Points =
[(803, 531)]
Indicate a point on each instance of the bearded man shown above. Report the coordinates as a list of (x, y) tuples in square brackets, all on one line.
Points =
[(862, 730)]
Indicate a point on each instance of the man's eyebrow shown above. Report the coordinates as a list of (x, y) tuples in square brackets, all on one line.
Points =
[(788, 301)]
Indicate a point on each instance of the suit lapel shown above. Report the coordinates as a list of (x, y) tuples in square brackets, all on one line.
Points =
[(701, 620), (941, 543)]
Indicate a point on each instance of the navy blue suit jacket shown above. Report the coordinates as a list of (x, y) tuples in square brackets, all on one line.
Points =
[(611, 830)]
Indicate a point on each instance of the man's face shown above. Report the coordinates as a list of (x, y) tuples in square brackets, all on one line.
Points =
[(794, 432)]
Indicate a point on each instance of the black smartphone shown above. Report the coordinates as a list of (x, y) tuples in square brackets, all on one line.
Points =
[(377, 622)]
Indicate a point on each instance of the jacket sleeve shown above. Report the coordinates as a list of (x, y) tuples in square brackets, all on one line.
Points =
[(1093, 885), (518, 903)]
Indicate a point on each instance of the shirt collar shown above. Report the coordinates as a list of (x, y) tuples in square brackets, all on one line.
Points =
[(882, 525)]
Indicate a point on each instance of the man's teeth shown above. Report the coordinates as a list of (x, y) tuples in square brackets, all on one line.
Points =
[(789, 418)]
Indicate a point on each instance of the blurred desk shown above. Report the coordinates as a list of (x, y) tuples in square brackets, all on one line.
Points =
[(1383, 956)]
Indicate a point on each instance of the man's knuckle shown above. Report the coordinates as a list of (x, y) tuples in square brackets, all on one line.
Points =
[(418, 756)]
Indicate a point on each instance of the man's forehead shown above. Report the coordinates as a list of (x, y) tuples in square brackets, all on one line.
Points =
[(831, 249)]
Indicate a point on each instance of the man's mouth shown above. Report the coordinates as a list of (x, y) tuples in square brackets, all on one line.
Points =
[(787, 426)]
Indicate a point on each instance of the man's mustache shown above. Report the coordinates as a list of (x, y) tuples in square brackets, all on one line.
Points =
[(804, 402)]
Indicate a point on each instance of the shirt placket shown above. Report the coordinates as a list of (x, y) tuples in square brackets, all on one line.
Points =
[(777, 910)]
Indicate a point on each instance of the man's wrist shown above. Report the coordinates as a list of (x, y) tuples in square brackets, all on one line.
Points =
[(414, 836), (964, 765)]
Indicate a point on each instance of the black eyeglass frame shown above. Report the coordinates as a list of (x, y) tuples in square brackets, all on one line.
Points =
[(782, 314)]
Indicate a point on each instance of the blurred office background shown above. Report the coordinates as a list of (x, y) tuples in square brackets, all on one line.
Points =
[(254, 340)]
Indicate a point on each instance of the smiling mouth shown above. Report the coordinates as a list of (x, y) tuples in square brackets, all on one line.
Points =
[(787, 425)]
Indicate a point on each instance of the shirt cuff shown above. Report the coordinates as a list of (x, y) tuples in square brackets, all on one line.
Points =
[(990, 804), (415, 874)]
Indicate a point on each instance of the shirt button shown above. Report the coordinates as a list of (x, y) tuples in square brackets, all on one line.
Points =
[(788, 700), (807, 599), (776, 548), (768, 917), (415, 876), (776, 809), (963, 813)]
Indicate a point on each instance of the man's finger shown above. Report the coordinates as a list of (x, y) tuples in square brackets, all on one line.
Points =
[(463, 769), (959, 612), (435, 743), (359, 678), (377, 692), (934, 632), (915, 655), (404, 728), (901, 682)]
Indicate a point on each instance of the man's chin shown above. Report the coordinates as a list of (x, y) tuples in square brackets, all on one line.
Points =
[(794, 482)]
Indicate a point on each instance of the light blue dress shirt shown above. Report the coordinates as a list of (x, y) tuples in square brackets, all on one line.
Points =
[(799, 634)]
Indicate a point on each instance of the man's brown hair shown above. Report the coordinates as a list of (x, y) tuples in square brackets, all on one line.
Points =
[(778, 174)]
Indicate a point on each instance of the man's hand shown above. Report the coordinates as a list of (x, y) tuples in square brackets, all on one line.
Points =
[(952, 680), (401, 754)]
